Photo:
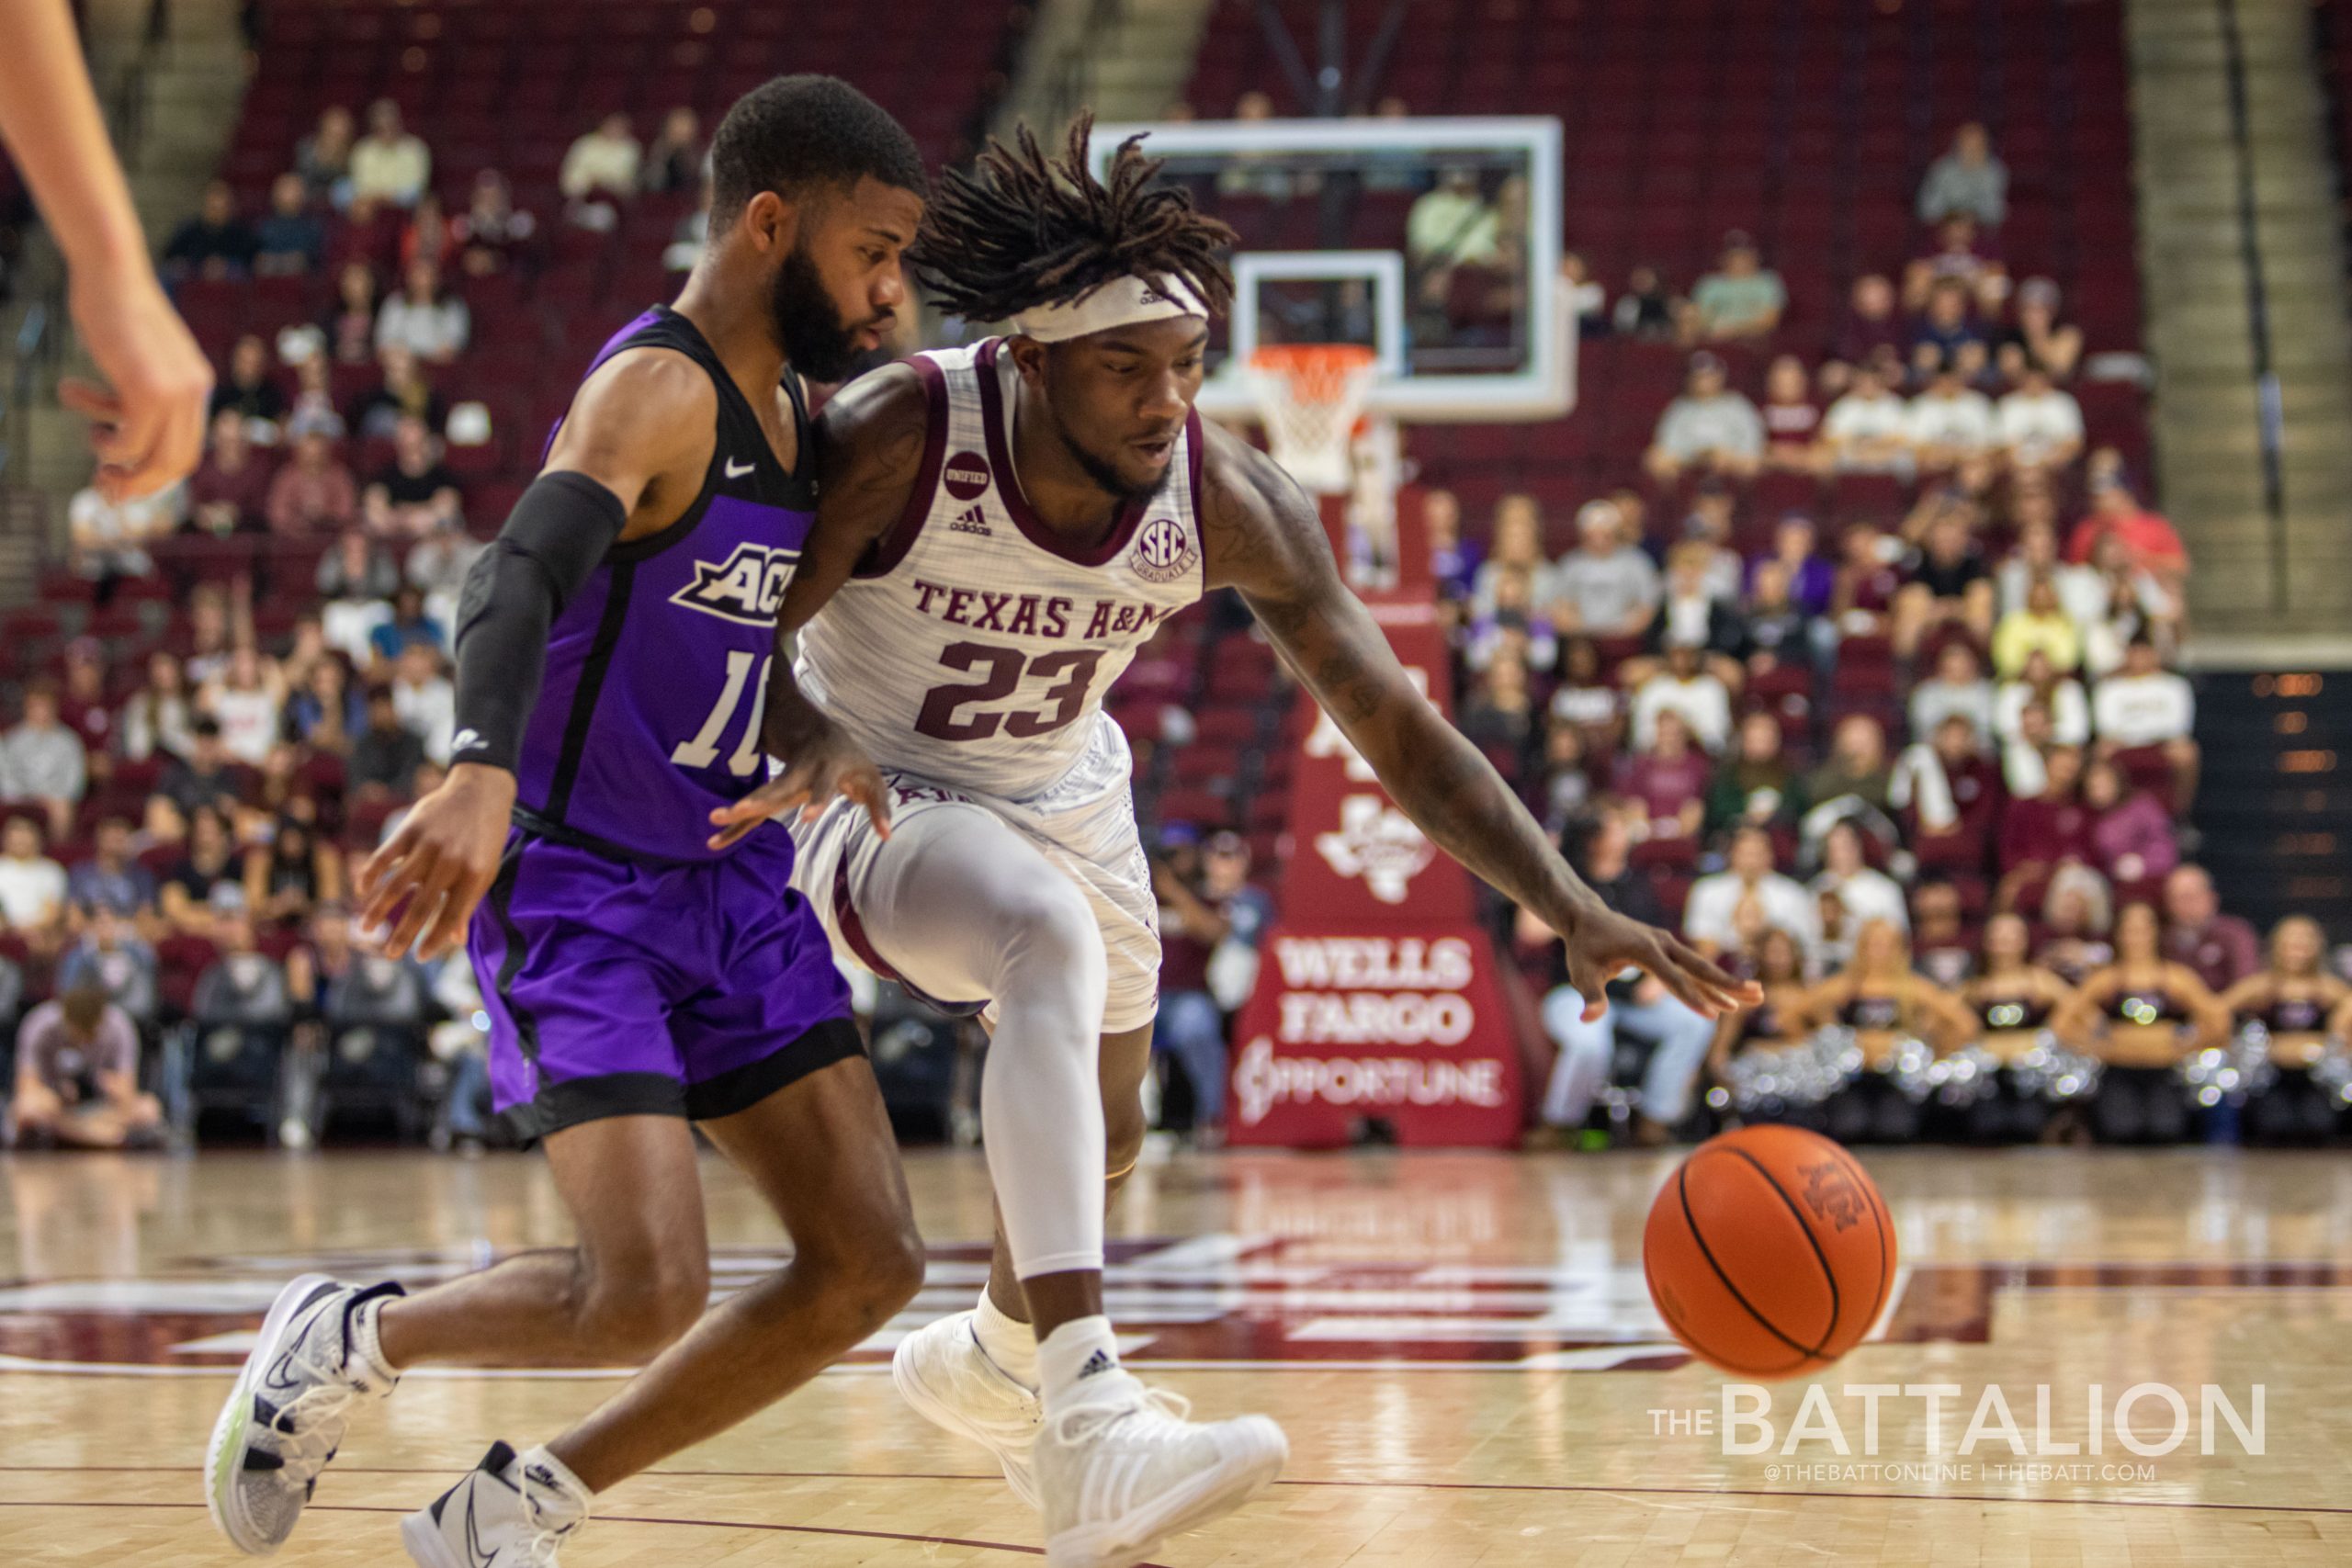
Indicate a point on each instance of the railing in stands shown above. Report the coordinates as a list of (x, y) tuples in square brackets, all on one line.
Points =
[(2270, 411), (1068, 80), (34, 349)]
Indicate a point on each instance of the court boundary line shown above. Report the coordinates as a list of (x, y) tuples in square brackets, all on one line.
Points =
[(605, 1519), (1594, 1490)]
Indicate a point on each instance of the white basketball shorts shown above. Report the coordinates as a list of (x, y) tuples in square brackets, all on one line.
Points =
[(1093, 842)]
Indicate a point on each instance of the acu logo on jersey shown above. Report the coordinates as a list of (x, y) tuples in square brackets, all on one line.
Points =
[(1163, 551), (745, 588)]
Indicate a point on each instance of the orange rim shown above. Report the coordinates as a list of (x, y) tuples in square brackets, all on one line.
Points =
[(1318, 372)]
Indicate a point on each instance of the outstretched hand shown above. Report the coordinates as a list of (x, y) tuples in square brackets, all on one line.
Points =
[(434, 871), (825, 763), (148, 415), (1604, 943)]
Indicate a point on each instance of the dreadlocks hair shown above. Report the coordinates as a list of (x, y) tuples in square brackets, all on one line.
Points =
[(1018, 230)]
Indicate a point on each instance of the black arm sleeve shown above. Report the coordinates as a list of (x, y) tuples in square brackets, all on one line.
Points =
[(553, 540)]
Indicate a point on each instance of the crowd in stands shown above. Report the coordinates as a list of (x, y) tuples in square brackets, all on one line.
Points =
[(1872, 673), (1869, 688), (361, 410), (237, 684), (181, 829), (1870, 691)]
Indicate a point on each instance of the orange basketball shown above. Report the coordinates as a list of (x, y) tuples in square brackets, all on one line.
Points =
[(1769, 1252)]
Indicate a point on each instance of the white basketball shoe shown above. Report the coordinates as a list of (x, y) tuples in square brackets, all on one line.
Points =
[(942, 1371), (508, 1512), (286, 1416), (1125, 1469)]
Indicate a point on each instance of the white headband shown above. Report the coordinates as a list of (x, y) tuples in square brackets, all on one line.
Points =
[(1122, 302)]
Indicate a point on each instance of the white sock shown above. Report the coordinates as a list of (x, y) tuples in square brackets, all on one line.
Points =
[(554, 1496), (1074, 1356), (364, 1349), (1006, 1340)]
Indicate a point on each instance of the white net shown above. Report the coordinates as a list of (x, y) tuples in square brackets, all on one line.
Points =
[(1311, 397)]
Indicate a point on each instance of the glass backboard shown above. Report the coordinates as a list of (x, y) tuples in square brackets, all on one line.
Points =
[(1435, 242)]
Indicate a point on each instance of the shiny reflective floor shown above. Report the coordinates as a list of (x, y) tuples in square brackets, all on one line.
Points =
[(1460, 1347)]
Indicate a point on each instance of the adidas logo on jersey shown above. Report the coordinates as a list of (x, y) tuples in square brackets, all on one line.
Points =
[(971, 520), (745, 588)]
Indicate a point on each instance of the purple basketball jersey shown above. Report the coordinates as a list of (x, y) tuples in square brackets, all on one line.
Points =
[(657, 670)]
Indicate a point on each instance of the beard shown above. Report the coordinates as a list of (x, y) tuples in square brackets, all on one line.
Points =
[(816, 342), (1106, 476)]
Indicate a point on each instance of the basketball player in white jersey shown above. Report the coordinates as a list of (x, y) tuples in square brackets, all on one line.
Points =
[(998, 529)]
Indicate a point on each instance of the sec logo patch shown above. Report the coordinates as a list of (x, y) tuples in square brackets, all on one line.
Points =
[(1164, 551)]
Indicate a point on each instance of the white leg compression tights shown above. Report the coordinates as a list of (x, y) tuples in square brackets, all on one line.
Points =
[(965, 906)]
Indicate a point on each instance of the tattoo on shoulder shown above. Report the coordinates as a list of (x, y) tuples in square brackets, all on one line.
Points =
[(1257, 528), (871, 443)]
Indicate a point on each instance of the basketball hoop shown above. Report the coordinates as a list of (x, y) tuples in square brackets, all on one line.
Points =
[(1311, 396)]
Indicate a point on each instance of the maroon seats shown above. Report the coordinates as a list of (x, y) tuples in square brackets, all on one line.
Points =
[(1809, 125)]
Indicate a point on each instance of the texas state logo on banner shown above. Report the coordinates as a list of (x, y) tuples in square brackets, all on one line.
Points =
[(1376, 998)]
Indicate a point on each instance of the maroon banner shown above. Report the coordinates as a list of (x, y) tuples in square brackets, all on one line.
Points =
[(1377, 997)]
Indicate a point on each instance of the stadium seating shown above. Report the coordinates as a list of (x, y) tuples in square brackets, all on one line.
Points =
[(1808, 123)]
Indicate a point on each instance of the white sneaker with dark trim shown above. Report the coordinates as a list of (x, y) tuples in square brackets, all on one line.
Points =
[(507, 1513), (942, 1370), (286, 1416), (1125, 1471)]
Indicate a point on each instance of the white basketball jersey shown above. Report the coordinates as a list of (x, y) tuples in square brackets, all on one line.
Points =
[(972, 647)]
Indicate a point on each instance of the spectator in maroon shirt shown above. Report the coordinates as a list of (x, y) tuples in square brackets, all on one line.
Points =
[(2222, 948), (1668, 781), (1866, 584), (1951, 793), (2040, 834), (312, 494), (82, 706), (350, 326), (228, 492), (369, 234), (1965, 254), (2131, 832), (1870, 329), (1791, 419)]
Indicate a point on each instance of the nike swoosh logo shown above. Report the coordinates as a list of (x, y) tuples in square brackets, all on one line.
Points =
[(281, 1373), (735, 473), (477, 1555)]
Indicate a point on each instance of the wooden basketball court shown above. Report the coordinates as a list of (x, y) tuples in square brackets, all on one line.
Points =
[(1460, 1347)]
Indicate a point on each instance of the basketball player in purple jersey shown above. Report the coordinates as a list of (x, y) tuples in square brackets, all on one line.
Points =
[(1001, 526), (611, 669)]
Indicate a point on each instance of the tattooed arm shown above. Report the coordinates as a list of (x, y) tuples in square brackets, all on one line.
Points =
[(1263, 538), (869, 454)]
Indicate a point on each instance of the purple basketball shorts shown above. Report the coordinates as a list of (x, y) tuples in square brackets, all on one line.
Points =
[(621, 989)]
